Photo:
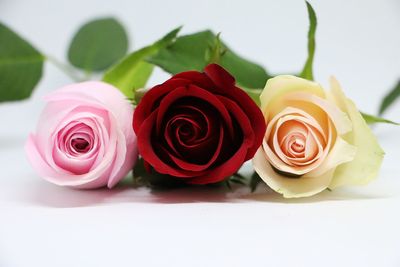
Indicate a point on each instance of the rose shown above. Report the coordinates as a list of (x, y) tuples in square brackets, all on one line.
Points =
[(198, 126), (314, 140), (84, 137)]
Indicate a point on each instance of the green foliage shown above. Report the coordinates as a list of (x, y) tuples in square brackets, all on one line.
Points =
[(390, 98), (254, 94), (255, 179), (188, 52), (98, 44), (153, 179), (236, 178), (192, 52), (307, 72), (132, 72), (247, 74), (215, 51), (21, 66), (371, 119)]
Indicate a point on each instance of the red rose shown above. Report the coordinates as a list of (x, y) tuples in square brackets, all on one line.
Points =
[(198, 126)]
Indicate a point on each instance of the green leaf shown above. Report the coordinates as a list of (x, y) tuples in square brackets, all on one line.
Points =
[(215, 51), (371, 119), (98, 44), (390, 98), (153, 179), (237, 181), (191, 52), (307, 72), (246, 73), (139, 93), (132, 72), (254, 94), (188, 52), (254, 181), (21, 66)]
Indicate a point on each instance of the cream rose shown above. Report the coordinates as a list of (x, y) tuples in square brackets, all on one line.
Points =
[(315, 139)]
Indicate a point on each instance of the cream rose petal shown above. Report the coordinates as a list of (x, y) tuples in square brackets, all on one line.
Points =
[(368, 158), (341, 152), (289, 187), (340, 119), (281, 85)]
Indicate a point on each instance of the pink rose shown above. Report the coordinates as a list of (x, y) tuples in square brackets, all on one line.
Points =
[(84, 137)]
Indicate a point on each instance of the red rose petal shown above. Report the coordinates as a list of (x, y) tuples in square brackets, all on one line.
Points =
[(146, 149), (199, 148), (168, 133), (193, 91), (207, 118), (219, 76), (185, 165), (226, 82), (255, 115), (231, 165), (223, 171), (242, 119), (174, 169), (197, 78), (181, 136), (149, 101)]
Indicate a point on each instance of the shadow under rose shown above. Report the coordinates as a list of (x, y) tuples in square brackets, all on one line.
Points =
[(265, 194), (49, 195), (45, 194)]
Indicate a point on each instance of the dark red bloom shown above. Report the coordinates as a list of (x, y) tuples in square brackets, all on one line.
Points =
[(198, 126)]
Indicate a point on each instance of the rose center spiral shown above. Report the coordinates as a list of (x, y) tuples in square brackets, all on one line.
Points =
[(80, 145), (297, 145)]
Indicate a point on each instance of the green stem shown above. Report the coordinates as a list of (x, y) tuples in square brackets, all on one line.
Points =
[(88, 75), (64, 68)]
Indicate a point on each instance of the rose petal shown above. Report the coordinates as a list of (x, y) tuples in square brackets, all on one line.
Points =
[(341, 152), (95, 94), (87, 106), (340, 119), (220, 77), (146, 149), (368, 158), (196, 78), (229, 167), (289, 187), (197, 92), (231, 164), (278, 162), (188, 166), (152, 96), (276, 88), (226, 87)]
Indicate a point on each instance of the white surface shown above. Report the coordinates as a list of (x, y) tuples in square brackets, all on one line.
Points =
[(43, 225)]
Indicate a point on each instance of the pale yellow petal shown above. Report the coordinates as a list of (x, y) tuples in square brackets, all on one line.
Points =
[(279, 86), (339, 118), (340, 153), (367, 161), (289, 187)]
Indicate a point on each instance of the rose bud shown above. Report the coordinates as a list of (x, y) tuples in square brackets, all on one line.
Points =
[(315, 139), (199, 127), (84, 137)]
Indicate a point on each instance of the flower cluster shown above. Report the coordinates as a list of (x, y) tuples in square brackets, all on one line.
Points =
[(200, 127)]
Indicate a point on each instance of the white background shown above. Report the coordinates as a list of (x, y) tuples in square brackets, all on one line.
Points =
[(43, 225)]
